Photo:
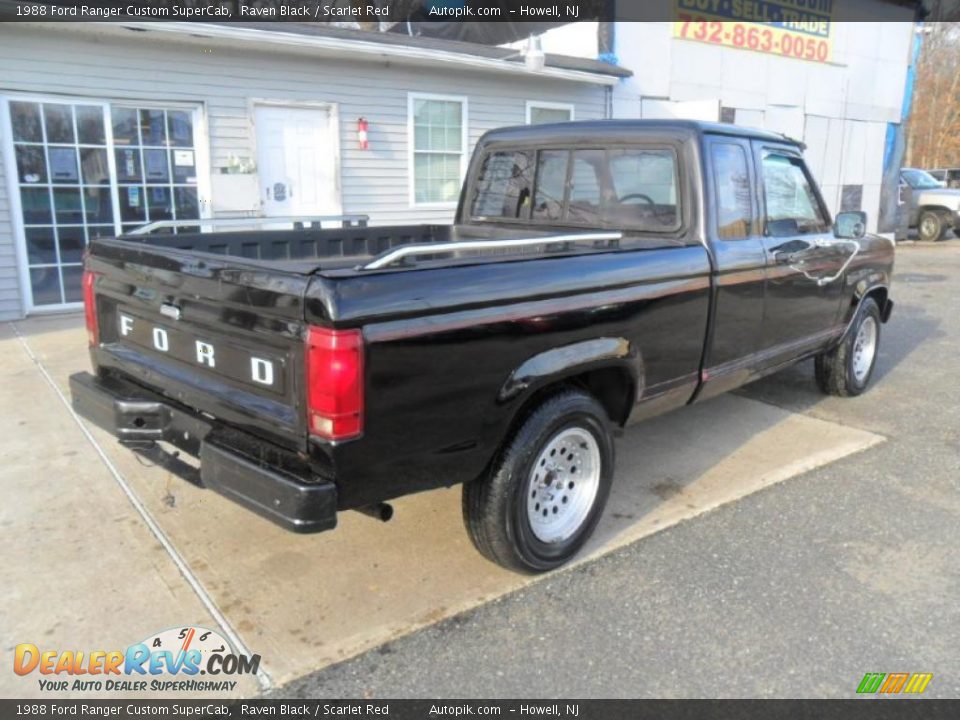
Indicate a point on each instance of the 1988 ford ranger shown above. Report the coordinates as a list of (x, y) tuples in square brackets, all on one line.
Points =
[(598, 273)]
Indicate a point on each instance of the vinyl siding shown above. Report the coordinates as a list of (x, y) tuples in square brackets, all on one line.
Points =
[(9, 279), (225, 80)]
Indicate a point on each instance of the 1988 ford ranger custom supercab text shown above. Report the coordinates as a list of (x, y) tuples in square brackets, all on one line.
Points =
[(597, 273)]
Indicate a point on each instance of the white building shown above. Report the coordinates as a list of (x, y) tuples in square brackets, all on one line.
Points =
[(847, 108)]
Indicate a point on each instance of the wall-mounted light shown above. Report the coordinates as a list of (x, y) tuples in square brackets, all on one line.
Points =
[(363, 140)]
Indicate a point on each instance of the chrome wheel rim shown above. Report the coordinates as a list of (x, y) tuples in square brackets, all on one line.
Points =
[(864, 349), (563, 484), (927, 227)]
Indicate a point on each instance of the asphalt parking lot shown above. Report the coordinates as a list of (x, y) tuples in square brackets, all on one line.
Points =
[(770, 543)]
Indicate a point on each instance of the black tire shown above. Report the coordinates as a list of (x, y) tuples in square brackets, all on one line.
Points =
[(495, 508), (931, 226), (835, 369)]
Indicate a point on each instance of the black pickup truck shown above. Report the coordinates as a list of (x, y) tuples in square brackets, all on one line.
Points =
[(598, 273)]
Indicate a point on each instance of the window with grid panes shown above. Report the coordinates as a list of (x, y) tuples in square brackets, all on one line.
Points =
[(156, 165), (438, 149), (87, 169)]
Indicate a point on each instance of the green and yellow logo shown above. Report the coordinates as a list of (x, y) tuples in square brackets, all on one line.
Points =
[(893, 683)]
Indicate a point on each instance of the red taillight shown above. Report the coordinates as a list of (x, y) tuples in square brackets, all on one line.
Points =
[(334, 383), (90, 308)]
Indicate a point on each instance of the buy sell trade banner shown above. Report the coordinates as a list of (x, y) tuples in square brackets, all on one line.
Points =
[(792, 28)]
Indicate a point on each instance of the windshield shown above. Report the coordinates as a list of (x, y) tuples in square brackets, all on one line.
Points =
[(920, 180)]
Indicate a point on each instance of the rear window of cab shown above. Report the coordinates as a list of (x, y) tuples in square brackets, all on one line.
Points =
[(633, 187)]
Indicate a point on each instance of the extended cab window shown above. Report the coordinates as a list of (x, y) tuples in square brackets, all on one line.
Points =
[(504, 186), (731, 181), (792, 206)]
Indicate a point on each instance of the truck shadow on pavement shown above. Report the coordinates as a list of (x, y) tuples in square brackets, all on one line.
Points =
[(692, 460)]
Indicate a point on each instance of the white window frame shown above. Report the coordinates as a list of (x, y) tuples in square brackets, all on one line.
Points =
[(545, 105), (201, 148), (411, 150)]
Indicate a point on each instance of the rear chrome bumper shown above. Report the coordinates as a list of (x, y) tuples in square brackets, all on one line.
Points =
[(138, 417)]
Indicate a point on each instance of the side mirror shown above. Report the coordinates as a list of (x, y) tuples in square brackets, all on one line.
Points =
[(850, 225)]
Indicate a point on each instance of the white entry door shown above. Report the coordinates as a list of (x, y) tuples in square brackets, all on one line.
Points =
[(297, 151)]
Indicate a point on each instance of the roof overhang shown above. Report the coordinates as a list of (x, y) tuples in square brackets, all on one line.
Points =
[(328, 46)]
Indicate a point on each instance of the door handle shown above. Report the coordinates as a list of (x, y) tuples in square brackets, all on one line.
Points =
[(792, 252), (268, 192), (843, 268), (786, 258)]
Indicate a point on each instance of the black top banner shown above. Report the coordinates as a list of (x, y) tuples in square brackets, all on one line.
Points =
[(363, 12), (406, 15)]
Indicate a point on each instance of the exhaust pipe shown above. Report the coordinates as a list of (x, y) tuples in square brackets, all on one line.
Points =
[(378, 511)]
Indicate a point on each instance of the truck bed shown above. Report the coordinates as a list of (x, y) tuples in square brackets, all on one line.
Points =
[(343, 251), (309, 250)]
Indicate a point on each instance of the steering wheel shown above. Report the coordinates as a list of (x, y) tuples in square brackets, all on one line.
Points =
[(645, 198), (549, 209)]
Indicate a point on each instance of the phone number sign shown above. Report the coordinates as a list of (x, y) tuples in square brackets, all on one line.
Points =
[(790, 28)]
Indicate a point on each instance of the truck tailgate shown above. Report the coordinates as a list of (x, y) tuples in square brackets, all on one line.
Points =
[(214, 334)]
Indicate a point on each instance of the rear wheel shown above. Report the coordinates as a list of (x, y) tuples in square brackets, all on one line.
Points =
[(546, 492), (846, 369), (931, 226)]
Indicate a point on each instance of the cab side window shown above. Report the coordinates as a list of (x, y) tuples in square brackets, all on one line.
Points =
[(792, 207), (731, 181)]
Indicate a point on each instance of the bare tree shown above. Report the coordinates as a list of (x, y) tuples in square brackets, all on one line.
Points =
[(933, 128)]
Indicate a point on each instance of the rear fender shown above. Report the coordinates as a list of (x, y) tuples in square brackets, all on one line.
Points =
[(558, 363), (602, 366)]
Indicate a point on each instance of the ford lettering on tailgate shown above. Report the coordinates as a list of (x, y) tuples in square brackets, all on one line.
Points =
[(228, 360)]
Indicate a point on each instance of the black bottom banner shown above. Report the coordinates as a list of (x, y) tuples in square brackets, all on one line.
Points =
[(867, 709)]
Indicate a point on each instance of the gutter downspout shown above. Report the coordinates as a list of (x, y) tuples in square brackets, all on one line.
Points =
[(606, 51)]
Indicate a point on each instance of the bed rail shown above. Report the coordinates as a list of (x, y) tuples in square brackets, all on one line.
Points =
[(405, 251), (298, 222)]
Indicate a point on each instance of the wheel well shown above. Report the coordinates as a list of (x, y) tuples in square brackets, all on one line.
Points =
[(613, 387), (936, 209), (880, 294)]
